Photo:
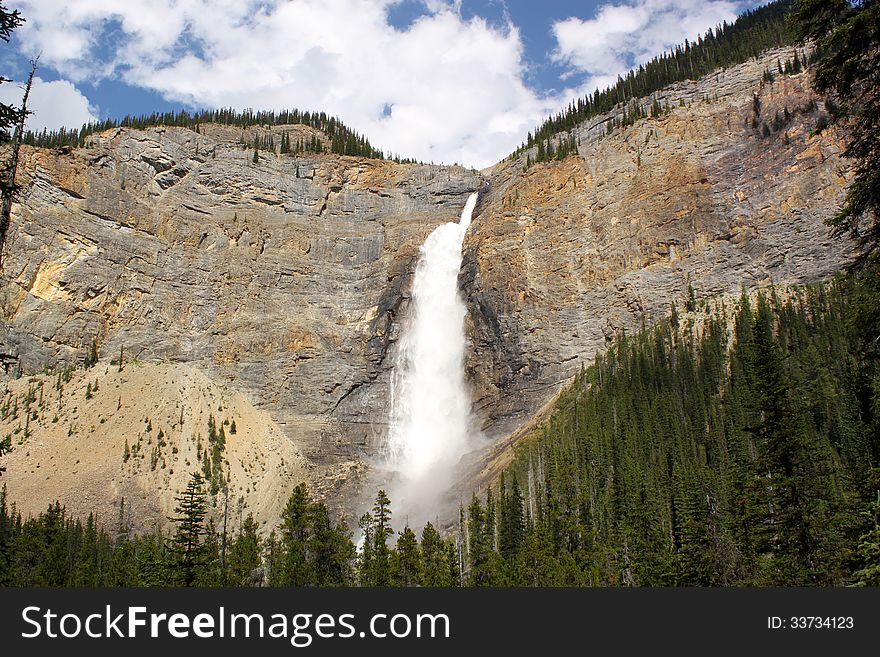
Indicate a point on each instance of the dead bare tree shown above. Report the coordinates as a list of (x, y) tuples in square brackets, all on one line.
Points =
[(8, 185)]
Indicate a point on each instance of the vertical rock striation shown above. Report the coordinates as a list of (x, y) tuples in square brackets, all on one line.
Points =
[(282, 277), (566, 254)]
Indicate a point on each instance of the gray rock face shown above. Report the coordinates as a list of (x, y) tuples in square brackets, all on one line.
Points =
[(283, 276), (287, 278), (566, 254)]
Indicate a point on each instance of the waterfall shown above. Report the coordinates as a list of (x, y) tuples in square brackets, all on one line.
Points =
[(430, 406)]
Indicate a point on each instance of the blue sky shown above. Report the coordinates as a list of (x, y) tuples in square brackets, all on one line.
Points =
[(440, 80)]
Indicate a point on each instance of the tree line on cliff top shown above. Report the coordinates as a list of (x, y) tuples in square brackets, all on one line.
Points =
[(726, 45)]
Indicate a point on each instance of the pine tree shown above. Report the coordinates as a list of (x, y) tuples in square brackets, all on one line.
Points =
[(365, 558), (187, 545), (274, 560), (848, 34), (92, 356), (791, 472), (480, 572), (379, 573), (329, 548), (869, 549), (155, 566), (211, 572), (9, 115), (295, 568), (6, 537), (406, 563), (436, 569), (244, 559)]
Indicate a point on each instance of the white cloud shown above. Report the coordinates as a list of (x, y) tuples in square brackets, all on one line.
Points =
[(455, 87), (54, 104), (624, 35)]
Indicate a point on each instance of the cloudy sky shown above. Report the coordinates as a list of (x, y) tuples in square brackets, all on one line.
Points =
[(439, 80)]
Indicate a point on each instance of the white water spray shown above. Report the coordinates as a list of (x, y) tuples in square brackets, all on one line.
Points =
[(430, 415)]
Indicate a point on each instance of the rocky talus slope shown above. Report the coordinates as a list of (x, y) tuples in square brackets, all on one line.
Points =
[(106, 438)]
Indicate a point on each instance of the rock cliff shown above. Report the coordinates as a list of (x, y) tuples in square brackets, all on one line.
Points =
[(281, 278), (272, 290), (566, 254)]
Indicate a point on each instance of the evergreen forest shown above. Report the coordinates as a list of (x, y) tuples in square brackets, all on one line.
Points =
[(342, 139), (728, 44), (729, 445)]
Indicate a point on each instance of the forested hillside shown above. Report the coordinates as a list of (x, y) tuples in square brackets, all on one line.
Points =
[(341, 139), (699, 455), (729, 445), (751, 34), (733, 443)]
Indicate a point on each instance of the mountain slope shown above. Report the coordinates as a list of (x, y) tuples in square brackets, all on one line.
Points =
[(566, 254), (98, 436), (286, 279), (282, 278)]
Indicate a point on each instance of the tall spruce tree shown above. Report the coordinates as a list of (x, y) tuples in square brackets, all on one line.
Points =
[(188, 549), (365, 557), (244, 561), (512, 526), (295, 567), (330, 549), (406, 563), (435, 559), (379, 573)]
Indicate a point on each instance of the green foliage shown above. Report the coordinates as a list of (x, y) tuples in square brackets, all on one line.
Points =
[(406, 563), (869, 548), (847, 34), (9, 115), (557, 149), (732, 447), (375, 566), (312, 550), (686, 458), (190, 553), (214, 457), (438, 559), (294, 569), (342, 139), (728, 44), (244, 558), (91, 356)]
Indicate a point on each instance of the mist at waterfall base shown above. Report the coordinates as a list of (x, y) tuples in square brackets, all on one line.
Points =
[(430, 424)]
